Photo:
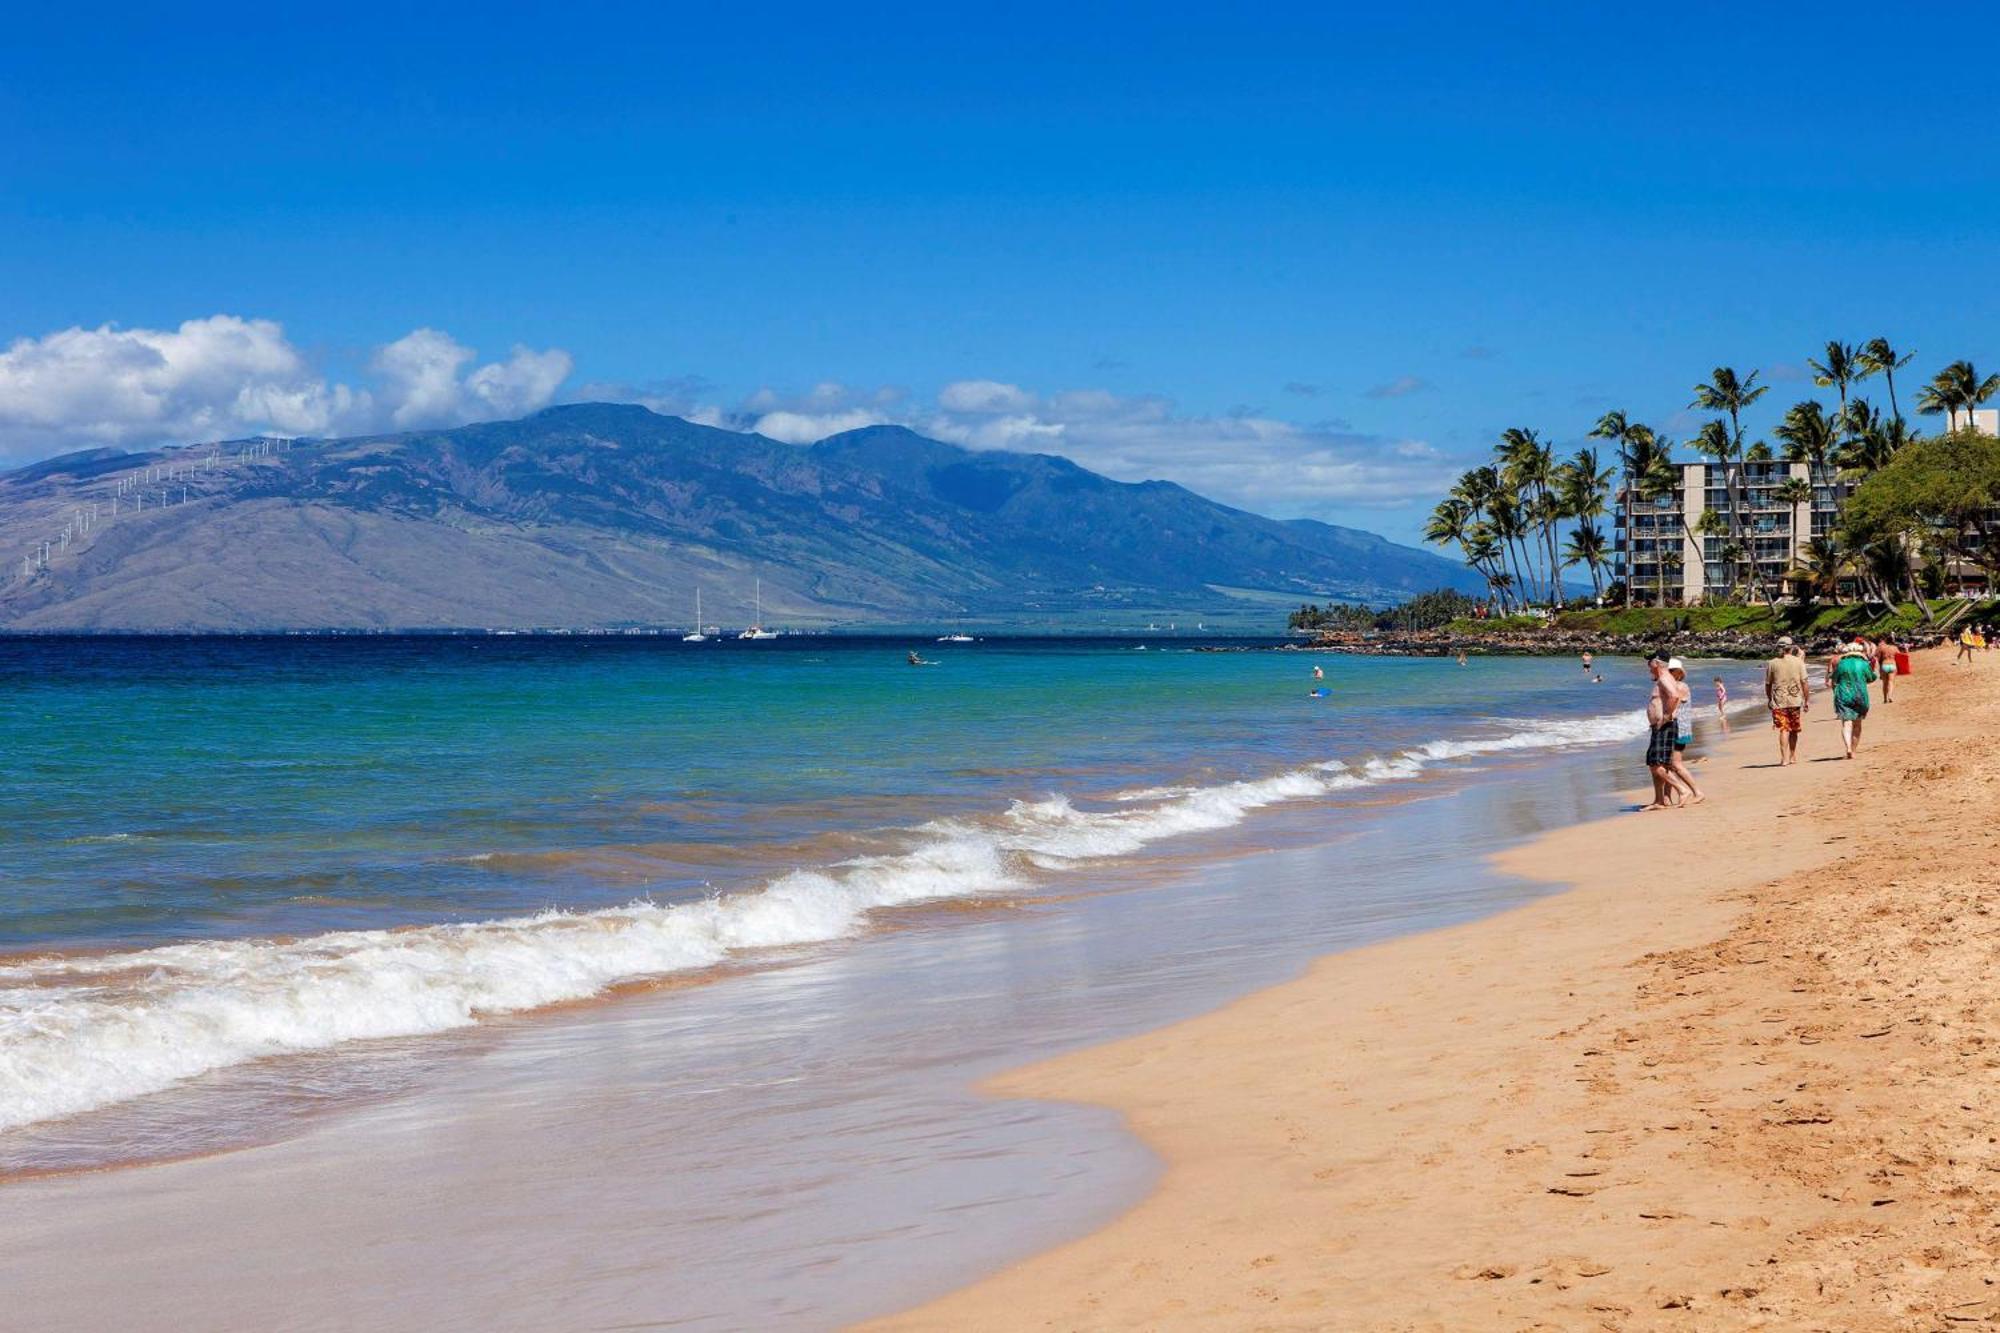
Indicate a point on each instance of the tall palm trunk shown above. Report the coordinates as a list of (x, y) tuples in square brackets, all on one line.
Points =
[(1549, 543), (1626, 499)]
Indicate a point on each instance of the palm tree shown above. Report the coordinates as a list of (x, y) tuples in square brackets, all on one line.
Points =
[(1726, 392), (1658, 482), (1798, 493), (1822, 563), (1871, 442), (1713, 441), (1730, 393), (1810, 436), (1616, 427), (1841, 368), (1878, 357), (1957, 388), (1528, 466), (1510, 526), (1587, 547), (1452, 523), (1483, 554), (1586, 486)]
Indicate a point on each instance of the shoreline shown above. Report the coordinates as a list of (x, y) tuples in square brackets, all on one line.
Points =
[(1649, 1100), (682, 1225)]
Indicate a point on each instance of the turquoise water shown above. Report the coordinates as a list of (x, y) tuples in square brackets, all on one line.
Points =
[(171, 789), (225, 853)]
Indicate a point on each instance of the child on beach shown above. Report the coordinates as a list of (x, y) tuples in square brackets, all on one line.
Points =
[(1722, 705)]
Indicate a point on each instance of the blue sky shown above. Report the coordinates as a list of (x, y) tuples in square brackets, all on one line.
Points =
[(1305, 262)]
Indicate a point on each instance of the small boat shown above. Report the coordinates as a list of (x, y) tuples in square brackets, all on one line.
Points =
[(757, 630), (697, 636)]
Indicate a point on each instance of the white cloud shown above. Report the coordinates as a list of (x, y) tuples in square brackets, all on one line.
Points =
[(806, 427), (984, 396), (423, 384), (420, 377), (209, 377), (228, 376), (1243, 458)]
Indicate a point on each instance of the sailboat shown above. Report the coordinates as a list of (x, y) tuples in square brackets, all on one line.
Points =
[(697, 636), (757, 630)]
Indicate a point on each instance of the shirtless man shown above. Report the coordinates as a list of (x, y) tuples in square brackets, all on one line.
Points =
[(1661, 703)]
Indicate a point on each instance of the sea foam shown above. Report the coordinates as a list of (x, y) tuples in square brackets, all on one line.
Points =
[(82, 1032)]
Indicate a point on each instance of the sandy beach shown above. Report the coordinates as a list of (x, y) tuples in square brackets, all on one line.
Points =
[(1737, 1077)]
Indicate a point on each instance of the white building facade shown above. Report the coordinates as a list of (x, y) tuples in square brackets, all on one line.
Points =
[(1661, 552)]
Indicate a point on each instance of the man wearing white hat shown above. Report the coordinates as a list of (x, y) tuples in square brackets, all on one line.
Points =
[(1788, 696)]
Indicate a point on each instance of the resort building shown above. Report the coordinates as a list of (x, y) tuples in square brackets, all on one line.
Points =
[(1673, 562)]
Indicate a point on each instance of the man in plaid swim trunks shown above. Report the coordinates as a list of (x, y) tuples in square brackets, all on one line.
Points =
[(1788, 696), (1660, 707)]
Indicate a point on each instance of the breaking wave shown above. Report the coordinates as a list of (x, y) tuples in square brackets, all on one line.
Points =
[(83, 1032)]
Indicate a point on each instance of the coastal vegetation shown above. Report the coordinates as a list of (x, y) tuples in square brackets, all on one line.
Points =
[(1914, 515), (1430, 610)]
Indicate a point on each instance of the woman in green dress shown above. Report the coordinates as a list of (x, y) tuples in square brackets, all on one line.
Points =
[(1851, 675)]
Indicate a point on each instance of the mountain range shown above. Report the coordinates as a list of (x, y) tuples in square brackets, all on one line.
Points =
[(604, 515)]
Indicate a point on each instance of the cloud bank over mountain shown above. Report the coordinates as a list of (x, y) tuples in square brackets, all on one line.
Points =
[(226, 376), (229, 376)]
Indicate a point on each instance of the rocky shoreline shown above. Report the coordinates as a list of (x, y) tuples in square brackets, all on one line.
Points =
[(1552, 642)]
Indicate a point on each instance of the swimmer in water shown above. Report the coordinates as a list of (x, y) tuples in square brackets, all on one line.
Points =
[(1461, 657), (1586, 664), (1317, 673)]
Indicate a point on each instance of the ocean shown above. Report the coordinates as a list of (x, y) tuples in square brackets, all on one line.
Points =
[(305, 893)]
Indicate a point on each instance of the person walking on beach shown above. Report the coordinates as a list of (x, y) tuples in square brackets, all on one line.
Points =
[(1661, 705), (1885, 664), (1788, 696), (1966, 639), (1722, 705), (1853, 672)]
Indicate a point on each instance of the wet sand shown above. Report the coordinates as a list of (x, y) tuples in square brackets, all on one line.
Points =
[(1740, 1076)]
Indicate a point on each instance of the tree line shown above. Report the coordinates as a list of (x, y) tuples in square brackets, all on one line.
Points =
[(1507, 517), (1427, 610)]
